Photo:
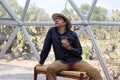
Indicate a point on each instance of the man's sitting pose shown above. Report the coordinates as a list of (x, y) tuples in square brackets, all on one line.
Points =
[(67, 50)]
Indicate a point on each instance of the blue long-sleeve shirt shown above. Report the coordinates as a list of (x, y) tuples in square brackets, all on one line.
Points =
[(54, 38)]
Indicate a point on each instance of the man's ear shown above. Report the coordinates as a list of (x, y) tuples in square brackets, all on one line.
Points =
[(66, 23)]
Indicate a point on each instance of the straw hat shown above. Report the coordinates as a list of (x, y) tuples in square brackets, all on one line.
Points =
[(69, 25)]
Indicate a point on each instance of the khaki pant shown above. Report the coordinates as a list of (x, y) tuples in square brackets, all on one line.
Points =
[(79, 66)]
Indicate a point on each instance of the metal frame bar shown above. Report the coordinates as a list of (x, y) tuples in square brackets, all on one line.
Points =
[(8, 9), (20, 26), (98, 23), (101, 23), (85, 25), (80, 31), (49, 23), (91, 9), (75, 7), (43, 23), (11, 38), (6, 18), (26, 33), (85, 22), (8, 22), (30, 43), (98, 53), (25, 10)]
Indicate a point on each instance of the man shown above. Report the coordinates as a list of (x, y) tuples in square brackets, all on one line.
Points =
[(67, 49)]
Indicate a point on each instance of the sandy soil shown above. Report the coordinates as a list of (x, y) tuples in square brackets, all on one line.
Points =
[(18, 69)]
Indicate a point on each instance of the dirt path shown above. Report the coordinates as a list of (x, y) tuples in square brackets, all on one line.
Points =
[(19, 70)]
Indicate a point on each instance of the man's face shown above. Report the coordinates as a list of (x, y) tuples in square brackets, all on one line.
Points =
[(59, 22)]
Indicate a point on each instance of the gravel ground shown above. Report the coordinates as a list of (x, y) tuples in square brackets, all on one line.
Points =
[(20, 70)]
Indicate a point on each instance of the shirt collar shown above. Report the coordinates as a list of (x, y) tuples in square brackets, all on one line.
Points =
[(58, 32)]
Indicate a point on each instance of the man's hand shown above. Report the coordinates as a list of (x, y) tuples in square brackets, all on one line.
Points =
[(66, 45), (38, 65)]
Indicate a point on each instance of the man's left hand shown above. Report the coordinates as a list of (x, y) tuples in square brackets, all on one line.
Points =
[(66, 45)]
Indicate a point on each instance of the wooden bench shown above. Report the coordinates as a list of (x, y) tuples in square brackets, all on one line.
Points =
[(67, 74)]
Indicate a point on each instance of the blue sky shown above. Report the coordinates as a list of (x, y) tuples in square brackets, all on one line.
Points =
[(52, 6)]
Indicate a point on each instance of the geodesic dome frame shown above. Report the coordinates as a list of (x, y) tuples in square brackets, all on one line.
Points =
[(85, 25)]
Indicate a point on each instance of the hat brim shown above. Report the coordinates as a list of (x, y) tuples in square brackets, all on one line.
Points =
[(59, 15), (63, 16)]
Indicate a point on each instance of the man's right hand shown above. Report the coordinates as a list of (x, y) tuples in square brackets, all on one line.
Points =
[(38, 65)]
